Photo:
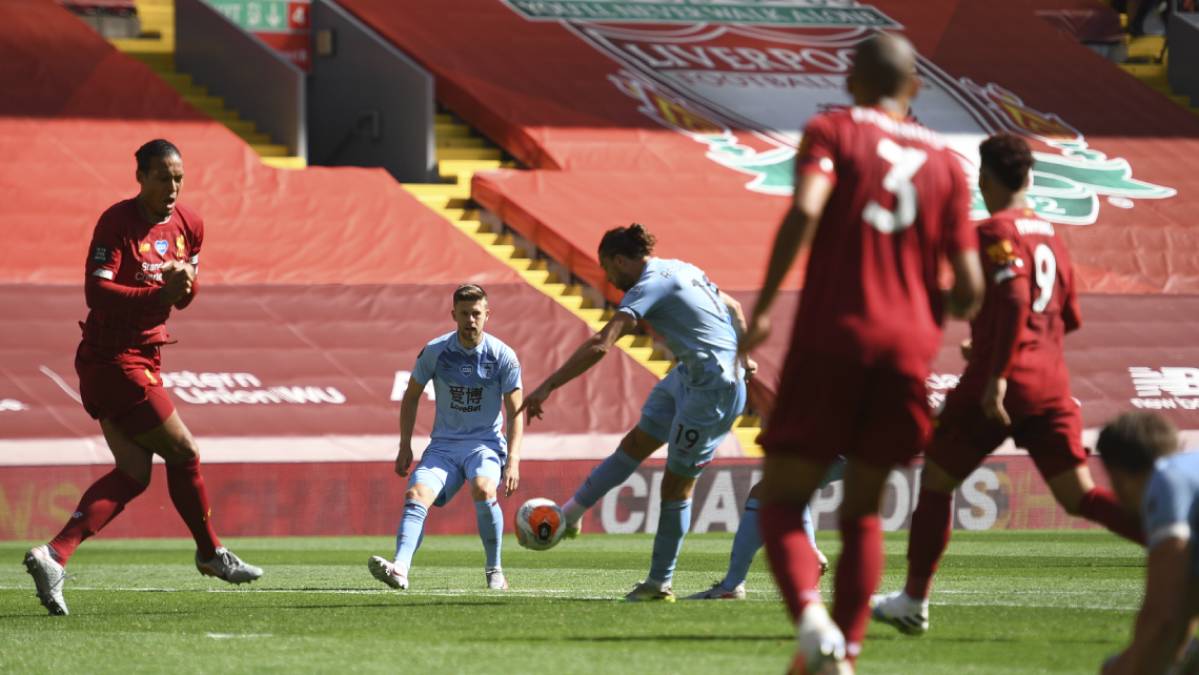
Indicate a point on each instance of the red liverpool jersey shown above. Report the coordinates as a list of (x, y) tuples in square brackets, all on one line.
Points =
[(899, 205), (1015, 243), (123, 274)]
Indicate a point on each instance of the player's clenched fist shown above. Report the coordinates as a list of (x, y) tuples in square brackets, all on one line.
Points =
[(177, 278), (403, 461)]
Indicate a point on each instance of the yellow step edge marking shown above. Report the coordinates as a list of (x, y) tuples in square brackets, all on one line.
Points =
[(159, 54), (462, 162)]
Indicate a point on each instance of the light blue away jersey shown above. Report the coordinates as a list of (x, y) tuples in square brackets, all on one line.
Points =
[(469, 386), (685, 308), (1171, 502)]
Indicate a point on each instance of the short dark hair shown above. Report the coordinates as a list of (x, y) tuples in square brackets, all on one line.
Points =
[(1133, 441), (1008, 158), (155, 149), (469, 293), (633, 241)]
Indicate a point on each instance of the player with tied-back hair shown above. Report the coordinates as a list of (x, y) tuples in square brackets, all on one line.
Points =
[(690, 411), (476, 380), (141, 263)]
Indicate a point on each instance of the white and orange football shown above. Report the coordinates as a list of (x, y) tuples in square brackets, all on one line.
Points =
[(539, 524)]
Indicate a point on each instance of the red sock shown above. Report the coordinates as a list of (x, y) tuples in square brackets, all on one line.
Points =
[(186, 486), (932, 523), (1100, 505), (792, 559), (858, 573), (99, 504)]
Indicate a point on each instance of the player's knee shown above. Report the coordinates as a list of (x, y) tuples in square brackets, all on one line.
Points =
[(139, 473), (181, 450), (676, 488), (482, 490), (755, 492), (935, 479), (638, 444), (420, 493)]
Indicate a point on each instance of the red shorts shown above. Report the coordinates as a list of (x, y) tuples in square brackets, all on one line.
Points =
[(830, 405), (123, 387), (1052, 434)]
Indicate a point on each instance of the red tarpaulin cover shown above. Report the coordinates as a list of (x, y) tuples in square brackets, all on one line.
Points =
[(684, 116), (319, 286)]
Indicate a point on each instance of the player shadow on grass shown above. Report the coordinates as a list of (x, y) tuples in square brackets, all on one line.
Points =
[(208, 610), (681, 638), (988, 639)]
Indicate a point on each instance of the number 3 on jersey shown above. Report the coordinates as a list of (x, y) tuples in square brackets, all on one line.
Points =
[(905, 162)]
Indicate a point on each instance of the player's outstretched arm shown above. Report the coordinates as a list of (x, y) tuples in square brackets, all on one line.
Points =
[(408, 407), (812, 192), (587, 355), (515, 429), (1162, 624)]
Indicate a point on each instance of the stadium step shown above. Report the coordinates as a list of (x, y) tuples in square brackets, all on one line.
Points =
[(156, 49), (1142, 63), (747, 428), (460, 154)]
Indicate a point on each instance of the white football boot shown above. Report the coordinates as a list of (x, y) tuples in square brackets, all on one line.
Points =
[(908, 615), (496, 581), (384, 570), (821, 644), (227, 567), (650, 590), (48, 575), (719, 592)]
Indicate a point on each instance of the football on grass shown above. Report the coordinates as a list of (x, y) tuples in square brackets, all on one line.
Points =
[(539, 524)]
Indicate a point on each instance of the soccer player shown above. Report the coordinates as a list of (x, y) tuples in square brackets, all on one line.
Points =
[(882, 201), (142, 261), (1015, 383), (748, 539), (1159, 484), (476, 382), (691, 409)]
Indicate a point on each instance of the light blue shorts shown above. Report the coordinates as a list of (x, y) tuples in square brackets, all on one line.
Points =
[(692, 422), (445, 467)]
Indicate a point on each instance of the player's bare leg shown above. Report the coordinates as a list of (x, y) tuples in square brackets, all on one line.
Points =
[(1076, 491), (634, 448), (491, 529), (788, 483), (173, 441)]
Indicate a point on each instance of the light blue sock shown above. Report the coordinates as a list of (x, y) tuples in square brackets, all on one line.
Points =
[(611, 472), (809, 526), (491, 529), (746, 543), (673, 522), (411, 533)]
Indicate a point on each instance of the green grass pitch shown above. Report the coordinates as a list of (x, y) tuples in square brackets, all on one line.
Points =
[(1005, 602)]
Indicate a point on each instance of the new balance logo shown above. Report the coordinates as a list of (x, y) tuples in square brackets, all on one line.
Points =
[(1165, 388)]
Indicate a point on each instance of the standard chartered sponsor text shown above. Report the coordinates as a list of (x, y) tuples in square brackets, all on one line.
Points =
[(239, 388)]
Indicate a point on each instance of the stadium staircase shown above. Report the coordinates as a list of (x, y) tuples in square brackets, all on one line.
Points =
[(156, 48), (1147, 60), (460, 154)]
